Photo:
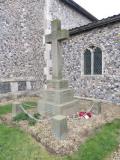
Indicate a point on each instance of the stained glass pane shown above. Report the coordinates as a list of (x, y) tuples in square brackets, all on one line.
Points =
[(87, 62), (97, 61)]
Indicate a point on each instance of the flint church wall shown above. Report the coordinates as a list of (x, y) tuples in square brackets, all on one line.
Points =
[(21, 45), (23, 24), (68, 16), (105, 86)]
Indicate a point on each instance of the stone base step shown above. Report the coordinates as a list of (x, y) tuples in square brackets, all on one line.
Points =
[(57, 84), (58, 96), (50, 109)]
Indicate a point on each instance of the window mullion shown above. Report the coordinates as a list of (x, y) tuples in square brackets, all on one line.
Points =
[(92, 62)]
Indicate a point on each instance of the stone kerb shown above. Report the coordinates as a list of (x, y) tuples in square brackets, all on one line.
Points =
[(16, 109), (97, 108)]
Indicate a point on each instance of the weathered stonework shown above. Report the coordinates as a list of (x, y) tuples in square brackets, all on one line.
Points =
[(23, 24), (59, 127), (12, 87), (68, 16), (103, 86), (21, 40), (58, 98), (55, 9)]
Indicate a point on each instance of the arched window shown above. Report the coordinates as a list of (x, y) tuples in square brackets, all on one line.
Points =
[(93, 61)]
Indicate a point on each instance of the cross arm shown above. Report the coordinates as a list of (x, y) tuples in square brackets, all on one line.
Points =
[(63, 34), (48, 38)]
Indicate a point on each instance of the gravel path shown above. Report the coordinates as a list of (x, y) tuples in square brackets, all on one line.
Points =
[(115, 155)]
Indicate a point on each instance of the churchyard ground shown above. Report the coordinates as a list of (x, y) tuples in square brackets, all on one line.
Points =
[(93, 140)]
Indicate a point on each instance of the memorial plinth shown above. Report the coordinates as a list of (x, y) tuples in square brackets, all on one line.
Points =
[(58, 98), (59, 127)]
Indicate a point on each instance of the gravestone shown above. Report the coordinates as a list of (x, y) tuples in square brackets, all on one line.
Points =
[(59, 127), (57, 98)]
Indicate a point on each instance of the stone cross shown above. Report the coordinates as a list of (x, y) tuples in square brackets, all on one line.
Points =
[(55, 39)]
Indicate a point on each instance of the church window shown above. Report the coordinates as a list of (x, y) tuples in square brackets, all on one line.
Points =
[(21, 85), (87, 62), (93, 61)]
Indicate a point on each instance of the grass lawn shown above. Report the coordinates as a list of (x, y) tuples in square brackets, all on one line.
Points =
[(17, 145), (100, 145), (5, 109), (8, 108)]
